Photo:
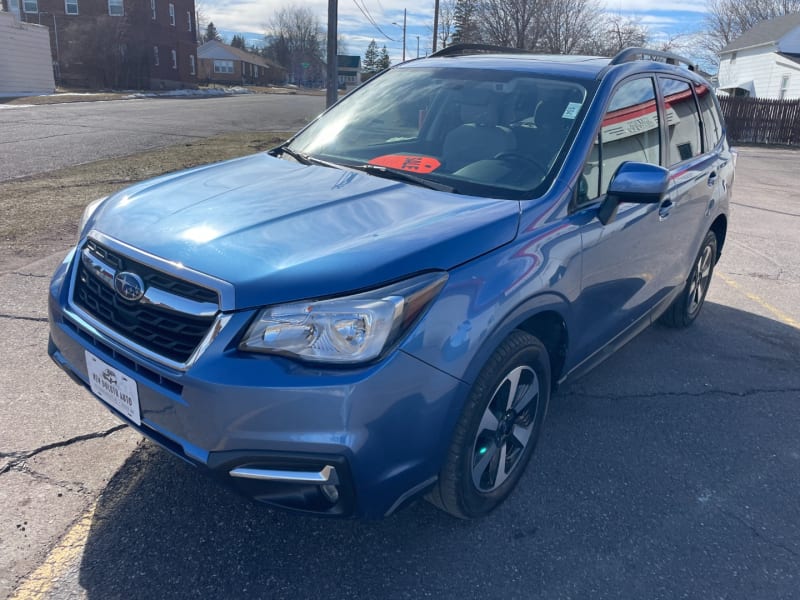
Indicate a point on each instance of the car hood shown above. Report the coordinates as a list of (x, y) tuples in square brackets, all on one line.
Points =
[(281, 231)]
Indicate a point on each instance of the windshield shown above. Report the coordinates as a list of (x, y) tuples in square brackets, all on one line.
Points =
[(484, 132)]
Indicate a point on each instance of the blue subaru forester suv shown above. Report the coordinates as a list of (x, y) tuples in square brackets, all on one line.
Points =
[(379, 309)]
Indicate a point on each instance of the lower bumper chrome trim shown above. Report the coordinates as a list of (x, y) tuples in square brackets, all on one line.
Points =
[(326, 476)]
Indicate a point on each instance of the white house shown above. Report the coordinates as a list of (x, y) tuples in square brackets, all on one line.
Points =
[(26, 68), (764, 62)]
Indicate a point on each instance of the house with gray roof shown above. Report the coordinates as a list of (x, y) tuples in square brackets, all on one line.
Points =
[(764, 62)]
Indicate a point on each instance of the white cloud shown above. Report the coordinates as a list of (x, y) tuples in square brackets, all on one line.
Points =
[(662, 17)]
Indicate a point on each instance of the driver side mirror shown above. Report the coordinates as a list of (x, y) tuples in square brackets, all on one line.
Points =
[(641, 183)]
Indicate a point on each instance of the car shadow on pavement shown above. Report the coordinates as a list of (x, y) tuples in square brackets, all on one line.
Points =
[(669, 471)]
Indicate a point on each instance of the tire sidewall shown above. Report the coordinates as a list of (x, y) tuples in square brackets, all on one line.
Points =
[(689, 317), (525, 350)]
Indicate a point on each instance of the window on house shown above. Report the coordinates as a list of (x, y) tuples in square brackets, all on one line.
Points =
[(784, 87), (223, 66), (71, 7), (255, 70), (156, 61), (153, 9), (174, 59), (192, 66), (189, 20), (171, 14), (115, 8), (30, 6)]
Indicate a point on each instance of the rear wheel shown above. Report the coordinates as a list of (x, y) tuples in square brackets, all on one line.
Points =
[(684, 310), (498, 429)]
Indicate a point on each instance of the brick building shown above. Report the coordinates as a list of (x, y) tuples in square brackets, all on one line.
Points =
[(220, 63), (117, 43)]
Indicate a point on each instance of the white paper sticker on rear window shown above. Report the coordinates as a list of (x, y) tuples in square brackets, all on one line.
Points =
[(572, 110)]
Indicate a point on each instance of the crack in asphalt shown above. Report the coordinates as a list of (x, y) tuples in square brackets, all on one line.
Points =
[(759, 534), (716, 392), (69, 486), (19, 458), (26, 274), (23, 318)]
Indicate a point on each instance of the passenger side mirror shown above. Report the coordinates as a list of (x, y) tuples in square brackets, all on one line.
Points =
[(642, 183)]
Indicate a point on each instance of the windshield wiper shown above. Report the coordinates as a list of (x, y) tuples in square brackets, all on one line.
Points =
[(304, 159), (298, 156), (387, 173)]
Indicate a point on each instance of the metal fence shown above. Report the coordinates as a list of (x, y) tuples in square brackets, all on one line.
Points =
[(761, 121)]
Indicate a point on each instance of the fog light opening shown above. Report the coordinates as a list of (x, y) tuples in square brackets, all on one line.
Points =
[(331, 492)]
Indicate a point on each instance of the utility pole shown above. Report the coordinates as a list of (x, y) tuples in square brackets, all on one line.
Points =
[(332, 92), (435, 23), (404, 35)]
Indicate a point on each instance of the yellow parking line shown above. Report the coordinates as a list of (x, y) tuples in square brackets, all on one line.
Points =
[(779, 314), (36, 585)]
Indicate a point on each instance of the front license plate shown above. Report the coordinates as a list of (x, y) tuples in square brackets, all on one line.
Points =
[(114, 388)]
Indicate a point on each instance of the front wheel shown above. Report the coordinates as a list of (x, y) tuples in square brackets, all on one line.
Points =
[(498, 430), (684, 310)]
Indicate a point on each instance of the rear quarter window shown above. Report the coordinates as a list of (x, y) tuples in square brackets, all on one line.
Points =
[(683, 120), (712, 123)]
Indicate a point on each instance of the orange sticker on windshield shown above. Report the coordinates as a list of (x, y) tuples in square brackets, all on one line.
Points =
[(407, 162)]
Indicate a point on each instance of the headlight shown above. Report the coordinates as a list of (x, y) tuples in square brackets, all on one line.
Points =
[(346, 330), (88, 212)]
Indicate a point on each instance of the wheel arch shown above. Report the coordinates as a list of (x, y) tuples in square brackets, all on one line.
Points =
[(720, 229), (546, 317)]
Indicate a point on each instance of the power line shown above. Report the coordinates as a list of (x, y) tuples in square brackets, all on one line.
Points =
[(371, 21)]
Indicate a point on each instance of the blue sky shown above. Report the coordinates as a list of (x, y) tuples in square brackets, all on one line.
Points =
[(251, 17)]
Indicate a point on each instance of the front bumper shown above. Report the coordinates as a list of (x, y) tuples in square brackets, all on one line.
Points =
[(380, 432)]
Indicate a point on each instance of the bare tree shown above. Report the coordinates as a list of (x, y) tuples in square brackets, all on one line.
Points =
[(295, 41), (728, 19), (569, 26), (614, 32), (510, 22), (446, 22)]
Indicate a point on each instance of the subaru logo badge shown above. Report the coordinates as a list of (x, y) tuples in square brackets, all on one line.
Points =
[(129, 285)]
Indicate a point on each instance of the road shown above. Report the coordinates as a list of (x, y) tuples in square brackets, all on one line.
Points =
[(672, 471), (38, 139)]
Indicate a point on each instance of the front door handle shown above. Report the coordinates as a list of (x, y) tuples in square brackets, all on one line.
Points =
[(712, 179), (664, 209)]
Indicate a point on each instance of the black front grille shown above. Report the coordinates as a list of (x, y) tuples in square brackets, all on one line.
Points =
[(171, 335)]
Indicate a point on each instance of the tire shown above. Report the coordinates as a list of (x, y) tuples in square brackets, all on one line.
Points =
[(684, 310), (498, 430)]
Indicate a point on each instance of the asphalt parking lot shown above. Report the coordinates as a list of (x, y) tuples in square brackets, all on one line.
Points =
[(671, 471)]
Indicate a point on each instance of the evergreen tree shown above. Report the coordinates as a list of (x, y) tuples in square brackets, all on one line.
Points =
[(384, 62), (465, 22), (211, 33), (370, 64), (238, 42)]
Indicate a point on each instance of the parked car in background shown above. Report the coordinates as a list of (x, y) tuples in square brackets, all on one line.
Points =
[(380, 308)]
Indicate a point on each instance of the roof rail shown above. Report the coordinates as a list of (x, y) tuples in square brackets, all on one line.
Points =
[(463, 49), (629, 54)]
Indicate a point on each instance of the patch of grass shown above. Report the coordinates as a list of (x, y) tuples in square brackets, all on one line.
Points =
[(40, 213)]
